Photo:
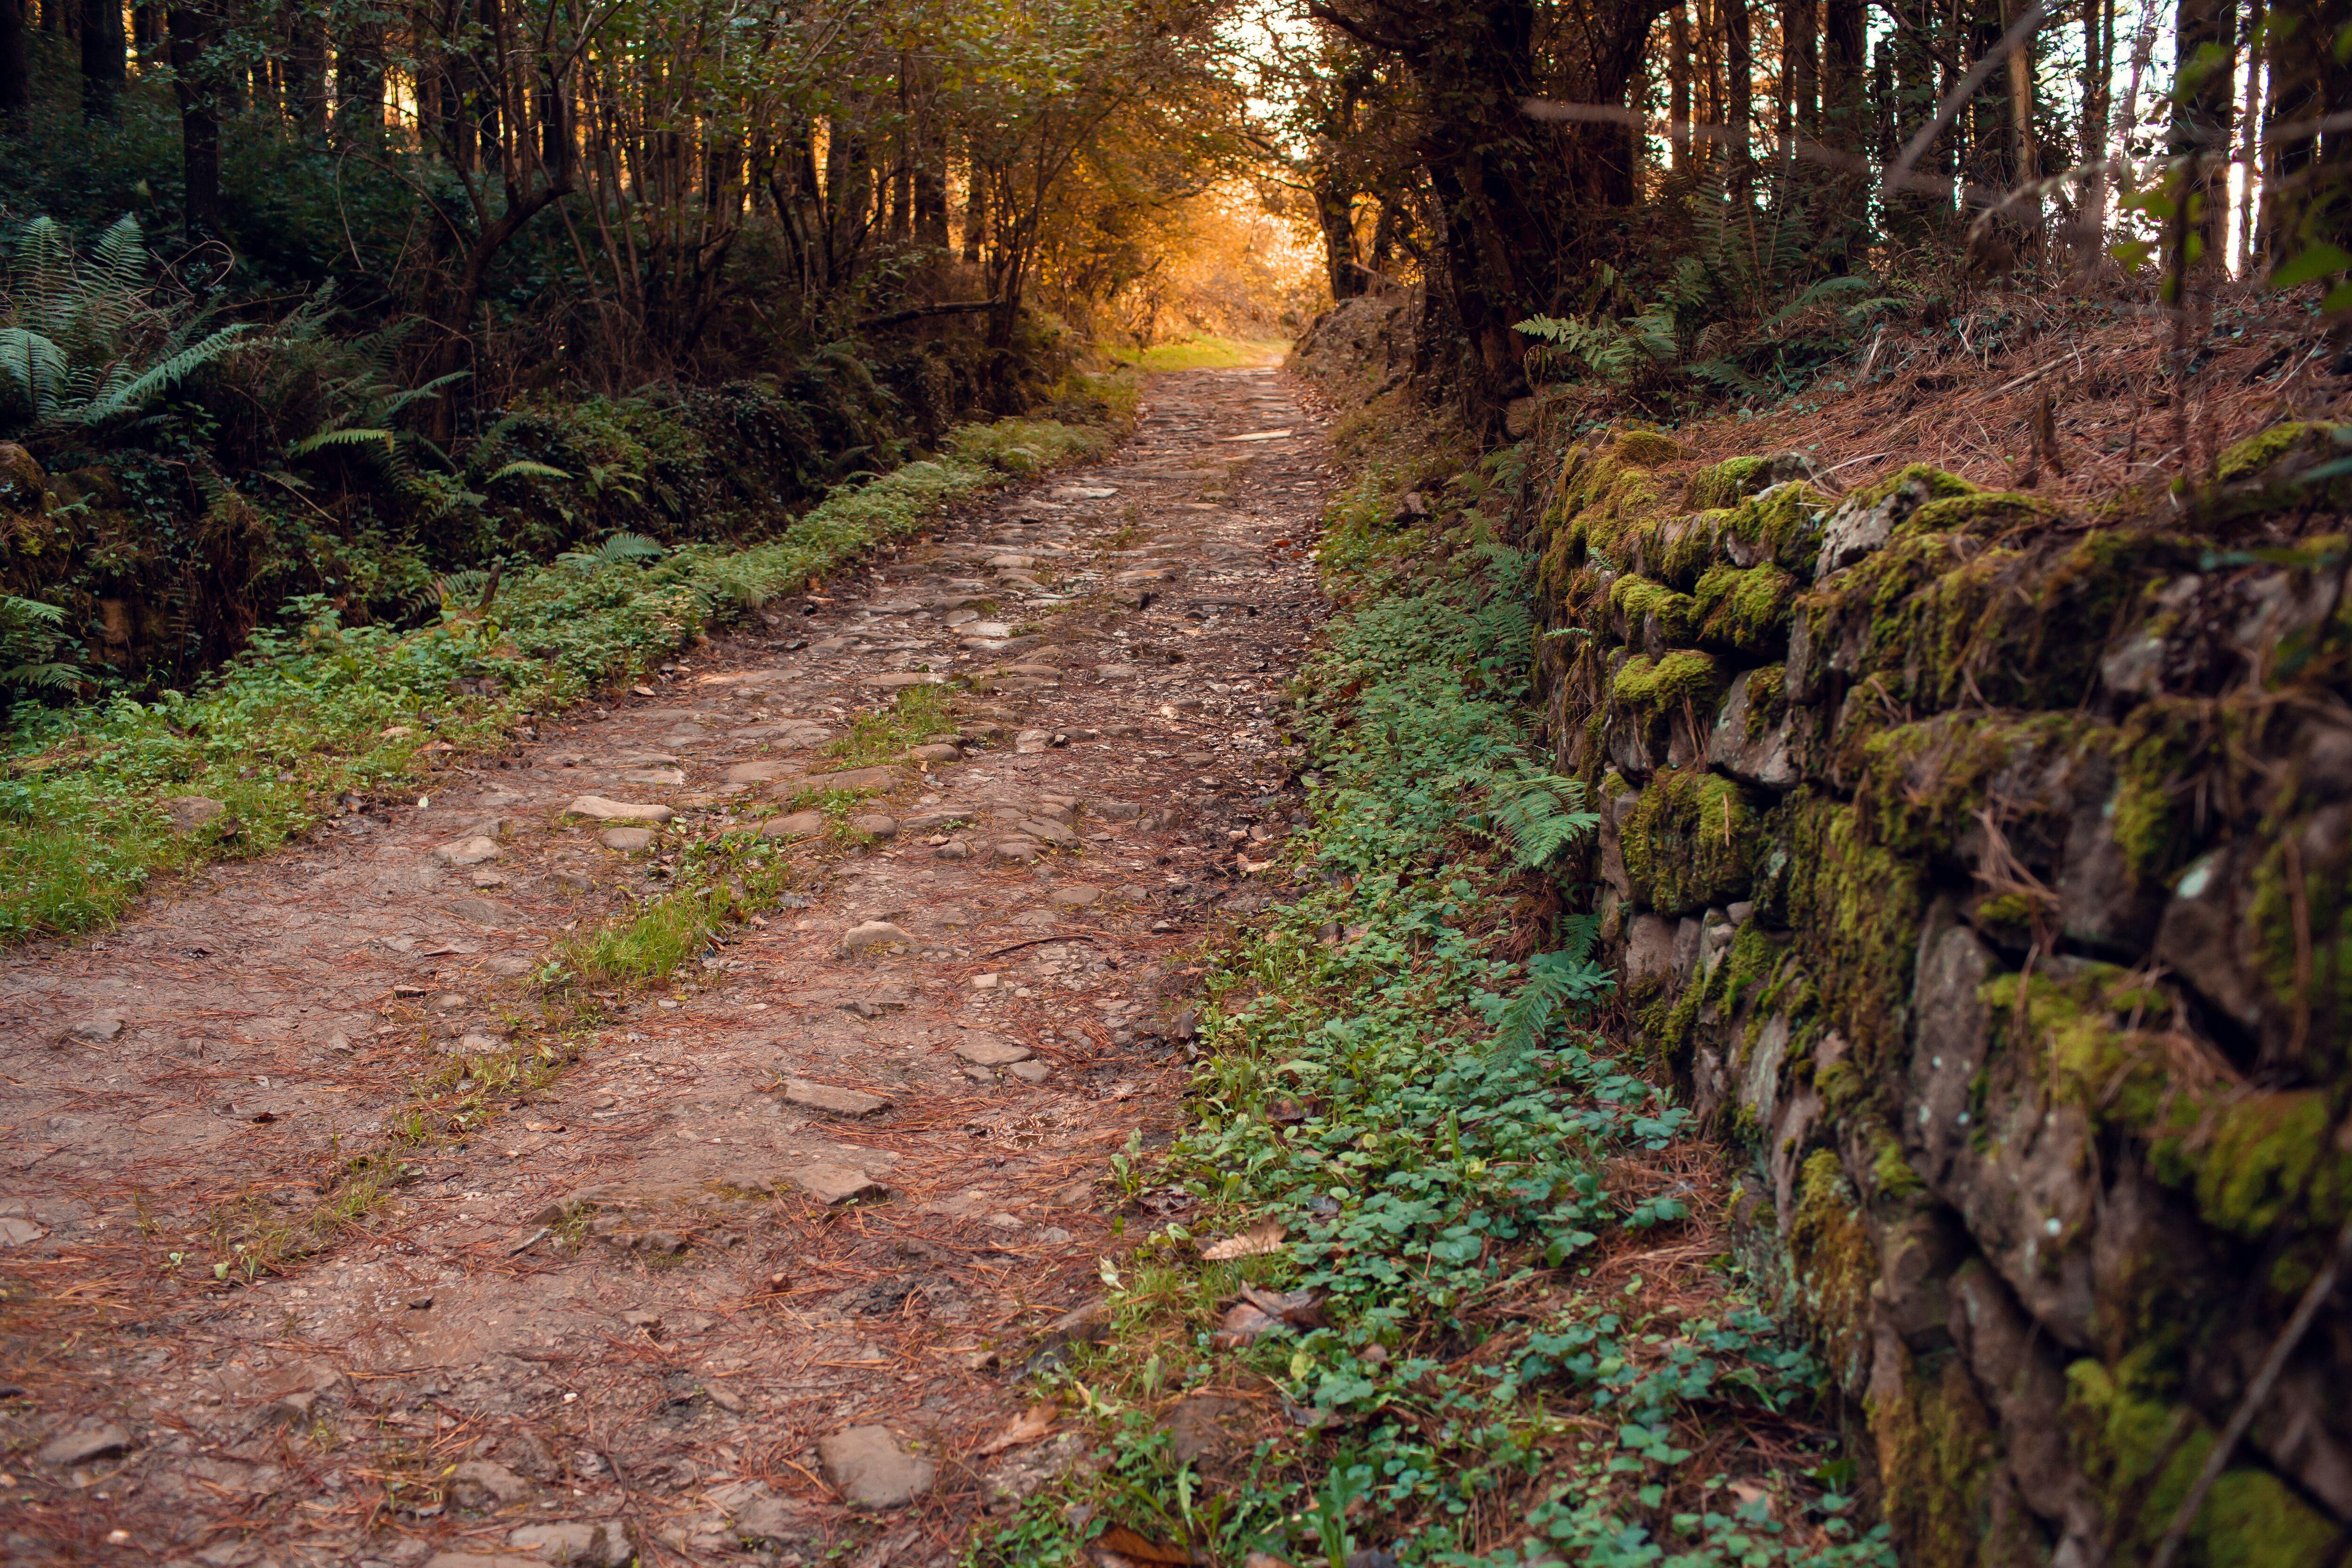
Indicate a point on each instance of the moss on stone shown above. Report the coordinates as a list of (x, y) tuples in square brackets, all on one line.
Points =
[(2302, 913), (2259, 453), (1920, 786), (1690, 842), (2142, 1450), (1767, 701), (1746, 609), (2154, 752), (1729, 482), (1666, 682), (1891, 1169), (1833, 1263), (1784, 523), (1938, 484), (1647, 449), (1985, 513), (1639, 599), (1937, 1456), (1857, 909), (2259, 1164)]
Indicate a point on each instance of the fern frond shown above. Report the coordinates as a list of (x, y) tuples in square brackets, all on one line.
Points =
[(524, 468), (36, 366), (430, 389), (134, 394), (326, 438)]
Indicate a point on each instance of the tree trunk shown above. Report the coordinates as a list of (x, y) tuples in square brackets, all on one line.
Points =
[(15, 76), (975, 211), (1335, 214), (306, 73), (2250, 139), (2204, 56), (191, 30), (1844, 61), (1739, 86), (101, 59), (1678, 86)]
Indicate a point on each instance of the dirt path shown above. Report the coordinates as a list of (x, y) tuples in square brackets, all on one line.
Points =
[(623, 1307)]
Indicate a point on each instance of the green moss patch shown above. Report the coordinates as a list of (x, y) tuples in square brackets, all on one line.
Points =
[(1692, 841), (1747, 610)]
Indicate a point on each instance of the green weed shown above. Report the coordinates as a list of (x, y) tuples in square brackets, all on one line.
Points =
[(914, 716)]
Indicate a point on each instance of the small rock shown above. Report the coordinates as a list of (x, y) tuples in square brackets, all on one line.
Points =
[(1076, 895), (724, 1397), (486, 912), (988, 1051), (1030, 741), (483, 1559), (603, 810), (760, 773), (97, 1031), (1029, 1071), (828, 1097), (190, 812), (17, 1231), (953, 849), (869, 1469), (900, 679), (467, 852), (869, 935), (628, 840), (767, 1520), (85, 1440), (577, 1544), (479, 1482), (1022, 850), (834, 1183), (799, 825), (939, 754), (875, 824)]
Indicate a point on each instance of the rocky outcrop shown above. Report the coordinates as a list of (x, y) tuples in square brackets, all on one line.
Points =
[(1985, 872)]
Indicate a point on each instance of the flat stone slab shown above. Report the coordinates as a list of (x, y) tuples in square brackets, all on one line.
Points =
[(1076, 895), (761, 772), (869, 935), (578, 1542), (604, 810), (875, 824), (938, 753), (828, 1097), (470, 851), (799, 825), (654, 776), (82, 1442), (628, 840), (831, 1184), (988, 1051), (869, 1469), (900, 679)]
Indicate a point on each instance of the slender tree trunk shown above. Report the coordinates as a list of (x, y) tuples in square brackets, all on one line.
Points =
[(102, 57), (1739, 86), (2204, 56), (1844, 63), (306, 73), (15, 76), (975, 211), (2249, 136), (2025, 151), (191, 30), (1678, 86)]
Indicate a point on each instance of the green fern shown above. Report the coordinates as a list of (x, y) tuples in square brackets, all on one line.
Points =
[(524, 468), (618, 547), (326, 438)]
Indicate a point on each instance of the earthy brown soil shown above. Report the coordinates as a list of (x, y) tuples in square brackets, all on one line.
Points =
[(616, 1299)]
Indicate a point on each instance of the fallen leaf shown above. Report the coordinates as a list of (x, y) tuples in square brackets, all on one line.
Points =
[(1296, 1307), (1241, 1324), (1264, 1238), (1028, 1427), (1138, 1548)]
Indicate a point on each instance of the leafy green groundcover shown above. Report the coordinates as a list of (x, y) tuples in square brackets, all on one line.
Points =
[(1481, 1376), (317, 708)]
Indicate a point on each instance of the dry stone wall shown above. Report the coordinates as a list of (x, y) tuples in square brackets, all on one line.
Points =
[(1984, 871)]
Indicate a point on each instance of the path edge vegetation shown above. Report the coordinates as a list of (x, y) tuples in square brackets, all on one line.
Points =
[(315, 717), (1404, 1279)]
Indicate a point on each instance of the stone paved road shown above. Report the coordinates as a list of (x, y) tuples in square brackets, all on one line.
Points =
[(782, 1236)]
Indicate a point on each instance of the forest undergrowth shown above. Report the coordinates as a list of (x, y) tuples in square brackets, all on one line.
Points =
[(1443, 1267), (317, 717)]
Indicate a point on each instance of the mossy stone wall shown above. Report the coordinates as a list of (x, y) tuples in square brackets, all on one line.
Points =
[(1985, 871)]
